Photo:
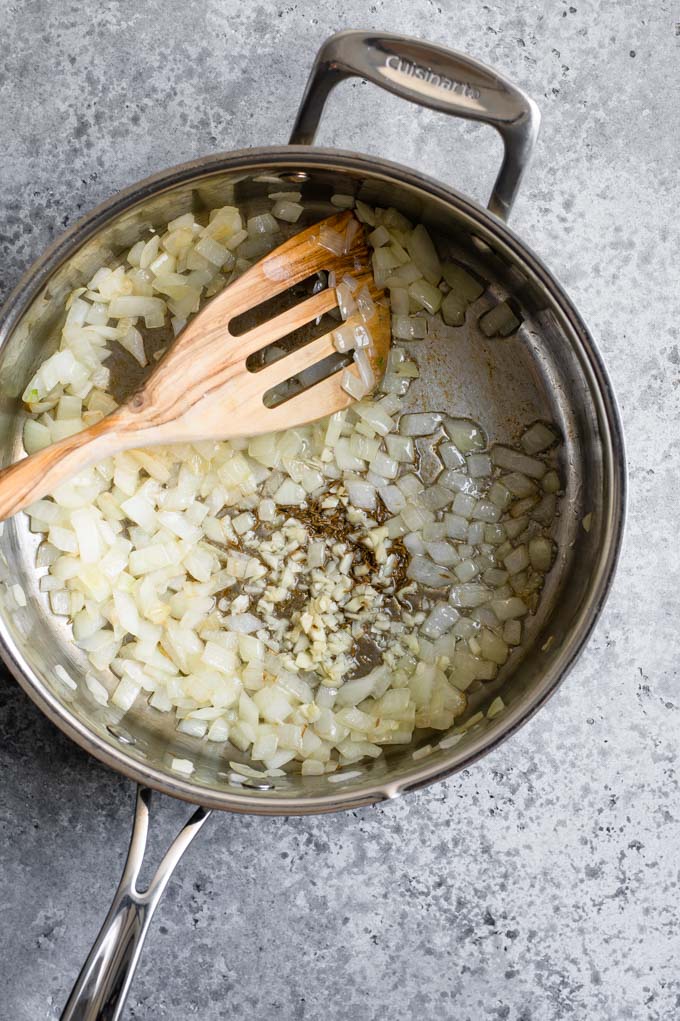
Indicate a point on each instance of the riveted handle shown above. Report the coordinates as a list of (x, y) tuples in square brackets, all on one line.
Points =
[(434, 77), (102, 987)]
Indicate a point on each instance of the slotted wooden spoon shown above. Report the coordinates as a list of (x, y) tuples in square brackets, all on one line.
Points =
[(203, 387)]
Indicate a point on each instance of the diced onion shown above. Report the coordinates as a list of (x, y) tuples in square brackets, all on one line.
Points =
[(426, 572), (286, 210), (232, 583), (262, 224), (425, 295), (353, 385), (514, 460), (406, 327), (469, 594), (499, 320), (460, 281), (466, 435), (440, 620), (424, 254), (538, 438), (420, 424)]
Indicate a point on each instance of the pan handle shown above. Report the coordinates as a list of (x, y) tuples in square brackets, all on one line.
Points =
[(102, 987), (431, 76)]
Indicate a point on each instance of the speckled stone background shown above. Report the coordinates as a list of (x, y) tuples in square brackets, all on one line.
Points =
[(543, 883)]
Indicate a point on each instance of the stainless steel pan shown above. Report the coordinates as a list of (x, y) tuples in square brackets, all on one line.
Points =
[(549, 370)]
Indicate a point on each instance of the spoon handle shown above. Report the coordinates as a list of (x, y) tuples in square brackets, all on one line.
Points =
[(26, 481)]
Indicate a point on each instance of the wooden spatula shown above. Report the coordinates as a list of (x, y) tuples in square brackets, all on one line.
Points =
[(203, 387)]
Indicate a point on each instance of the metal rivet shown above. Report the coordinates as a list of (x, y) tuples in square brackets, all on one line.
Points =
[(121, 735), (258, 785)]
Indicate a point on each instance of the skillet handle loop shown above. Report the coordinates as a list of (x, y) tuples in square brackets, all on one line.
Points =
[(434, 77), (102, 987)]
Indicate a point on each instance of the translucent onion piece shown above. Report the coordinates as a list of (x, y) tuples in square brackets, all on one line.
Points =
[(499, 321), (424, 254), (420, 424), (538, 438)]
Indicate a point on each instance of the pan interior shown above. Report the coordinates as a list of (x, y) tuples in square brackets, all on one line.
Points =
[(544, 371)]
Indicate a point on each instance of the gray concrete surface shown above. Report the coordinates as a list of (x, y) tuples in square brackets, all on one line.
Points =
[(543, 883)]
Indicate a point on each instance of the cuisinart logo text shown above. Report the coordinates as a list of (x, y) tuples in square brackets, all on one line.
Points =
[(426, 74)]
